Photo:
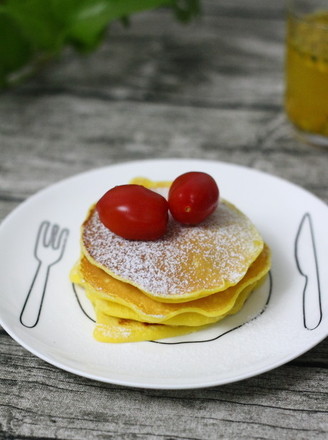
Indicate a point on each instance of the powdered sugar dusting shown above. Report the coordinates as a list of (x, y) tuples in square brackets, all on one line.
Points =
[(208, 257)]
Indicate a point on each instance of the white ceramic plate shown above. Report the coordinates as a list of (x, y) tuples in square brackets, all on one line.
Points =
[(284, 318)]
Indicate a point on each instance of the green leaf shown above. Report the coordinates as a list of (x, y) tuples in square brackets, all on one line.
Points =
[(15, 51), (37, 23), (92, 18), (185, 10), (40, 29)]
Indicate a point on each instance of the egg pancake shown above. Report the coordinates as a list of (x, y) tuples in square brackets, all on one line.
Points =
[(191, 277), (111, 329), (117, 330), (116, 298), (186, 263)]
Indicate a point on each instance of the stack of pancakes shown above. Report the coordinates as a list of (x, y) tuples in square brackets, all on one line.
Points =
[(192, 277)]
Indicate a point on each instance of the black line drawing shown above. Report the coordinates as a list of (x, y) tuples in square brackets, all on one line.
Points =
[(80, 303), (49, 249), (307, 264), (194, 341)]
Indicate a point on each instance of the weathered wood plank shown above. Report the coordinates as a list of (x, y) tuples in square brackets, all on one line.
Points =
[(90, 133), (38, 400), (227, 58)]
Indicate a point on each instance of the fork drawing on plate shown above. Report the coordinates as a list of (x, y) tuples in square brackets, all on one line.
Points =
[(49, 249)]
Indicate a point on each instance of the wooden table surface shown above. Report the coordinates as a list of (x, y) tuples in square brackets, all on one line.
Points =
[(212, 89)]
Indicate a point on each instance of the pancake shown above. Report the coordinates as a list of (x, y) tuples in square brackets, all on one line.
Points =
[(122, 300), (186, 263), (188, 279), (118, 330)]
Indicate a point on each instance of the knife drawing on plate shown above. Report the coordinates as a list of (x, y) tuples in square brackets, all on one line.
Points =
[(307, 264)]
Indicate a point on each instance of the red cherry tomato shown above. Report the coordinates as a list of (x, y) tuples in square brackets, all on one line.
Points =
[(193, 197), (134, 212)]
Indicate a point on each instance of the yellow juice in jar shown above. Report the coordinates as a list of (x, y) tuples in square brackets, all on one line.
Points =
[(306, 99)]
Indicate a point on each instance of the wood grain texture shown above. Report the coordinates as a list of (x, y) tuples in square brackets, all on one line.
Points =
[(212, 89)]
